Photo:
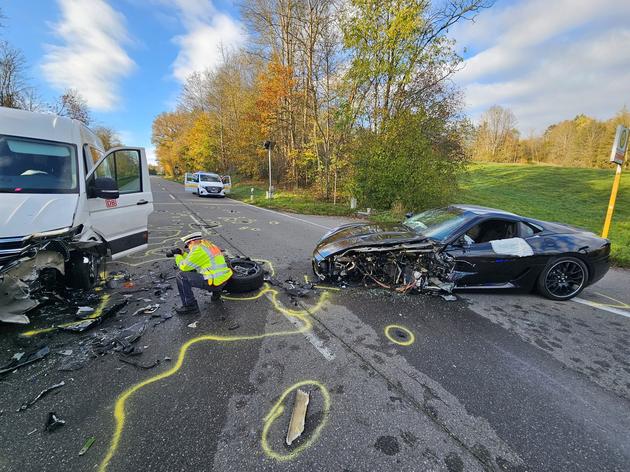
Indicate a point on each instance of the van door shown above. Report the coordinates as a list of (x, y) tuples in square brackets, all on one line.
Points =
[(227, 183), (122, 222), (191, 181)]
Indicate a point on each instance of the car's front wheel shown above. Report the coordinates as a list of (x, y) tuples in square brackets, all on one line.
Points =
[(563, 278), (247, 276)]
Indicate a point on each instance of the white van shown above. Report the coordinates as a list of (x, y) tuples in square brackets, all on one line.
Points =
[(65, 204), (207, 184)]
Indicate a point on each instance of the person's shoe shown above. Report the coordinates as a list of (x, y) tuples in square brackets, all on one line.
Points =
[(216, 297), (187, 309)]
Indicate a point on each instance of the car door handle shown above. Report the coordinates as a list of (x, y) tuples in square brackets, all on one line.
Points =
[(142, 202)]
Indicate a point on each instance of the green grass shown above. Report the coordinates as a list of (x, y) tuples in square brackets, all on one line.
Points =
[(575, 196), (569, 195), (294, 202)]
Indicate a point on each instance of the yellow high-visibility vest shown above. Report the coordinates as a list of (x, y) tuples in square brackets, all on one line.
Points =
[(207, 259)]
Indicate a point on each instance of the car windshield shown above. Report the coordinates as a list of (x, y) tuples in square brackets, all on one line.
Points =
[(438, 223), (209, 178), (34, 166)]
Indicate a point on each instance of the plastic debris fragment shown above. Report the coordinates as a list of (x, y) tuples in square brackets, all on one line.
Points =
[(53, 422), (298, 416), (87, 445), (42, 394), (22, 359)]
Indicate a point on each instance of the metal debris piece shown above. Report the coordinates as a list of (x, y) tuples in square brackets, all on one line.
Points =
[(21, 359), (147, 309), (87, 445), (298, 416), (448, 297), (67, 352), (153, 364), (41, 394), (81, 326), (83, 311), (194, 324), (53, 422)]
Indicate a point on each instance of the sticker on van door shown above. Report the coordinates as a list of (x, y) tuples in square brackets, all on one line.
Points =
[(111, 203)]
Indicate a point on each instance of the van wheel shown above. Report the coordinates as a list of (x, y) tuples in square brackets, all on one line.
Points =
[(247, 276), (82, 270)]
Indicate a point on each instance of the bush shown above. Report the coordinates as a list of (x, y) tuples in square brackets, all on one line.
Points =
[(414, 160)]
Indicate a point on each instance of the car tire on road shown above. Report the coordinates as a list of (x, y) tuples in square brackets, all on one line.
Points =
[(563, 278), (248, 276)]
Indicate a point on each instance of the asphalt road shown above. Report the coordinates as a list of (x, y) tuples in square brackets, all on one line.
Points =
[(492, 381)]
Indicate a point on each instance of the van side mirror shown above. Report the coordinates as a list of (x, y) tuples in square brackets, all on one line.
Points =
[(104, 187)]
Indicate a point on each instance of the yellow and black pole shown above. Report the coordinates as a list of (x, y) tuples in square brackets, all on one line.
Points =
[(618, 155)]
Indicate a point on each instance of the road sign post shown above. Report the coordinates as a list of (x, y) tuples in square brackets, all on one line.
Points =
[(617, 156)]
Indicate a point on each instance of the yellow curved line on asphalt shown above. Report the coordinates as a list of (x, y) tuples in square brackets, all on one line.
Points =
[(119, 408), (277, 410), (409, 342)]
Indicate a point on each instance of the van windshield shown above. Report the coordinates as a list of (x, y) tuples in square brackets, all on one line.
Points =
[(209, 178), (35, 166)]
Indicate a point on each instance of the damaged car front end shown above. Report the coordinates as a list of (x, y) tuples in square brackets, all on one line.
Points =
[(31, 266), (389, 255)]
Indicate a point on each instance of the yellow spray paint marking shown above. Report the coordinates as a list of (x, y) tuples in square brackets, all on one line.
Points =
[(278, 409), (272, 294), (97, 313), (617, 304), (408, 342)]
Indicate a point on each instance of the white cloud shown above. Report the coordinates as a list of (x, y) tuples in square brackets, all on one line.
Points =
[(91, 59), (209, 33), (548, 60)]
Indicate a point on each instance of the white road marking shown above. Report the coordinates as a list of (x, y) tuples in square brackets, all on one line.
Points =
[(311, 337), (171, 196), (286, 216), (609, 309), (202, 228)]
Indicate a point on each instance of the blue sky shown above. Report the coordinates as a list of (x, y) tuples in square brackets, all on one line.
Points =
[(547, 60)]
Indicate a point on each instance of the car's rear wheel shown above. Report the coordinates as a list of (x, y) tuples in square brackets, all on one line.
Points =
[(563, 278), (247, 276)]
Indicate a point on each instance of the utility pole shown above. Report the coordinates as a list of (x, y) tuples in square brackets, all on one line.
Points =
[(269, 146)]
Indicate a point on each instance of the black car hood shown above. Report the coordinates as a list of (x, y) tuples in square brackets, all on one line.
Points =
[(365, 234)]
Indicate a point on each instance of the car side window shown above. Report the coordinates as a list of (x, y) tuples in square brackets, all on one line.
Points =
[(195, 178), (128, 175), (124, 167), (491, 230)]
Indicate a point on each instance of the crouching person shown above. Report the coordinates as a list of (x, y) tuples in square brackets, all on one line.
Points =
[(201, 265)]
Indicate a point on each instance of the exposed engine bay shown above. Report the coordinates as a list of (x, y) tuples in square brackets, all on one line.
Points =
[(34, 267), (404, 268)]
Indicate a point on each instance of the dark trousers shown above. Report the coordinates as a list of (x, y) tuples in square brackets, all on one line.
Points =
[(186, 281)]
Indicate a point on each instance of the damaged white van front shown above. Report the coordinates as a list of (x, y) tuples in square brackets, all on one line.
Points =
[(65, 205)]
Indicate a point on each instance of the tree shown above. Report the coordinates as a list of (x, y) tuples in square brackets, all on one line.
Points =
[(13, 85), (72, 105), (108, 137), (496, 136)]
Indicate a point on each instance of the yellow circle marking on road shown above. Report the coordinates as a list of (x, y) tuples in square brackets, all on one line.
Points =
[(389, 336), (278, 409)]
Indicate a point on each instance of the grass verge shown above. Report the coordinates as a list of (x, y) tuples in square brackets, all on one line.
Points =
[(569, 195)]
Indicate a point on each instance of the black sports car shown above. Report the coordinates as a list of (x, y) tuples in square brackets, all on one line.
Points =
[(465, 247)]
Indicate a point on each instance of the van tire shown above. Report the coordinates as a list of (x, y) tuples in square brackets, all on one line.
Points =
[(81, 274), (247, 276)]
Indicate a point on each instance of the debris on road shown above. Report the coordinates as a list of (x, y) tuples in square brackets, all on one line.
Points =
[(83, 311), (43, 393), (21, 359), (53, 422), (147, 309), (139, 365), (193, 325), (298, 416), (87, 445)]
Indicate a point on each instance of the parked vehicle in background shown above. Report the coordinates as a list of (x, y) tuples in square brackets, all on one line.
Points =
[(207, 184), (66, 204)]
